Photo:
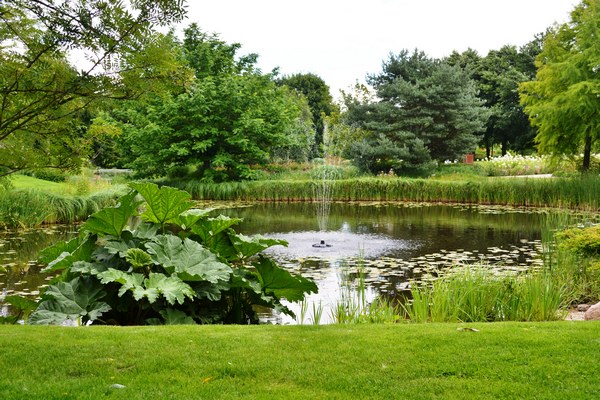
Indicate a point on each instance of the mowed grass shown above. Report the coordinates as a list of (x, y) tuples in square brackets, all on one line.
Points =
[(74, 186), (553, 360), (29, 182)]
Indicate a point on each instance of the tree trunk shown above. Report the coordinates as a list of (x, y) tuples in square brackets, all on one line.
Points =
[(587, 152)]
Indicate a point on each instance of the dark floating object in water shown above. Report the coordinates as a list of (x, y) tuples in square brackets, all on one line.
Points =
[(321, 244)]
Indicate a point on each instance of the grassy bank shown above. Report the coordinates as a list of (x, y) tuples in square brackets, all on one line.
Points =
[(581, 193), (503, 361), (24, 208)]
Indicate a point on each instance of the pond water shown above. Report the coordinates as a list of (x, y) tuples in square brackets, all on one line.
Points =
[(392, 244)]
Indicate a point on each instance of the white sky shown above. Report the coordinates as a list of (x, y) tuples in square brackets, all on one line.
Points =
[(343, 40)]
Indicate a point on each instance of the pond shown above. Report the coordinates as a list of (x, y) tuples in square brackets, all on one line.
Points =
[(392, 244)]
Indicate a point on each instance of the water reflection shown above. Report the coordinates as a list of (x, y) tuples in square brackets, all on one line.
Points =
[(393, 243), (19, 272)]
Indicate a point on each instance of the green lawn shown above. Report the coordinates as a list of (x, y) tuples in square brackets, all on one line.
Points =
[(557, 360), (29, 182)]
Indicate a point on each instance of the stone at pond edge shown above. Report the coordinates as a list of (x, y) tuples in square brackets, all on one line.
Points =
[(593, 313), (583, 307)]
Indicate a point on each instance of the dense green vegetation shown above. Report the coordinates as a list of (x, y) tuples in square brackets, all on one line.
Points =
[(175, 266), (25, 208), (426, 111), (194, 107), (552, 360), (562, 102), (583, 192), (46, 101)]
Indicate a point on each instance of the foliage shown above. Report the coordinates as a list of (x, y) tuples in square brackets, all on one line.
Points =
[(577, 259), (353, 307), (340, 135), (21, 308), (562, 102), (47, 175), (319, 100), (26, 208), (576, 193), (172, 265), (475, 294), (584, 242), (513, 165), (497, 76), (43, 96), (502, 72), (426, 110), (229, 120)]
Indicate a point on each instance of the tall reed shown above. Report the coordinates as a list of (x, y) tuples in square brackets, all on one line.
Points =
[(355, 308), (477, 294), (580, 193), (29, 208)]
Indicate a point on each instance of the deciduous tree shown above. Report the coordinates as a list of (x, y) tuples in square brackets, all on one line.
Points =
[(41, 93), (319, 99), (563, 102)]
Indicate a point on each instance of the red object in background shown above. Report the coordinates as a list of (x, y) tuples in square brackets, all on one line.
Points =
[(469, 158)]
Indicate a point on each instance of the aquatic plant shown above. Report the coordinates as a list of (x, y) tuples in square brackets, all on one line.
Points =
[(172, 265), (477, 294), (354, 306), (27, 208), (581, 192)]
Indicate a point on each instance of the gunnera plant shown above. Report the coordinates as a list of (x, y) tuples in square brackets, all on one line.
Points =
[(153, 259)]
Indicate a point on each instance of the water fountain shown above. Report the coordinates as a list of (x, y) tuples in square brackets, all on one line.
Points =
[(323, 174)]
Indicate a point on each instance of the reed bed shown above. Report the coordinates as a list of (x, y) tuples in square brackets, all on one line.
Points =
[(28, 208), (476, 294), (575, 193)]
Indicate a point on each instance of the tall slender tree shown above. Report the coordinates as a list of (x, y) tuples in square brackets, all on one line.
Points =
[(563, 101), (319, 99)]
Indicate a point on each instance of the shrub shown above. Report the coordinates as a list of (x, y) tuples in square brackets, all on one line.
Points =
[(584, 242), (172, 265), (509, 164)]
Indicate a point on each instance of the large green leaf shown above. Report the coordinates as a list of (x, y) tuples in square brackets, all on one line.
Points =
[(279, 282), (187, 259), (20, 303), (63, 254), (127, 280), (138, 258), (146, 231), (112, 220), (120, 247), (246, 246), (172, 288), (88, 268), (210, 227), (163, 204), (189, 218), (69, 301), (221, 245), (176, 317)]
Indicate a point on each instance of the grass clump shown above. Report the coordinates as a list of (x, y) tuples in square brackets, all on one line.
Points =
[(354, 306), (476, 294), (24, 208), (579, 193)]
